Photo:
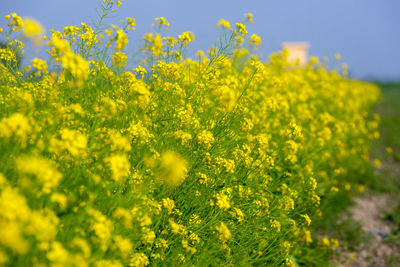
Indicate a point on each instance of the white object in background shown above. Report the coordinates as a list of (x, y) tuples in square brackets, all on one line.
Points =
[(298, 52)]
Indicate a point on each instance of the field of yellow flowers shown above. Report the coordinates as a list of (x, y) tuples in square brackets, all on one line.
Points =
[(216, 160)]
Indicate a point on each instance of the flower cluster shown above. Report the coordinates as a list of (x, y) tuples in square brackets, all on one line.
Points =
[(219, 160)]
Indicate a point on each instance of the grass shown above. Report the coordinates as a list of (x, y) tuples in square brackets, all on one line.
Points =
[(389, 110), (388, 176)]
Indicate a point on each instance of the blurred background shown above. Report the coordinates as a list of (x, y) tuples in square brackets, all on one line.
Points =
[(365, 32)]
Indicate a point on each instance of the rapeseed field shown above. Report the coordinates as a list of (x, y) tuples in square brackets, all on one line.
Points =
[(216, 160)]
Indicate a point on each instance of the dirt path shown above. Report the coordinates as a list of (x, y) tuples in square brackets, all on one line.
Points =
[(368, 211)]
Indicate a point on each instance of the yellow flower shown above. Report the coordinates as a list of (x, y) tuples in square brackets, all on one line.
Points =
[(108, 32), (307, 237), (289, 263), (249, 17), (185, 137), (314, 60), (145, 221), (239, 40), (334, 189), (11, 237), (60, 199), (44, 170), (325, 242), (275, 224), (137, 131), (186, 37), (76, 65), (222, 201), (124, 245), (226, 96), (121, 40), (119, 59), (377, 163), (174, 168), (58, 255), (82, 245), (185, 245), (33, 30), (61, 46), (335, 243), (71, 140), (162, 21), (131, 23), (155, 44), (119, 166), (286, 245), (16, 22), (43, 224), (168, 204), (306, 218), (205, 138), (40, 64), (224, 24), (238, 212), (17, 125), (118, 142), (254, 39), (142, 71), (139, 260), (361, 188), (224, 233), (148, 236), (102, 227), (240, 29)]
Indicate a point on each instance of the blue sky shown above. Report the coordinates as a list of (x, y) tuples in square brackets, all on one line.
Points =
[(365, 32)]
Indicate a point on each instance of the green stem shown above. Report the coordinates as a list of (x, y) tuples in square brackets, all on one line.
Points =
[(97, 28)]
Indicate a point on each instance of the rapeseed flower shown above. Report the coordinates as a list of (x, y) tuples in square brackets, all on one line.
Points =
[(254, 39), (162, 21), (224, 24), (249, 17), (76, 65), (240, 29), (139, 260), (119, 166), (43, 169), (16, 23), (174, 168), (34, 30), (205, 138), (224, 233), (121, 40)]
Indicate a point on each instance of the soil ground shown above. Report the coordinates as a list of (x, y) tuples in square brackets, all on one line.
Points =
[(369, 210)]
